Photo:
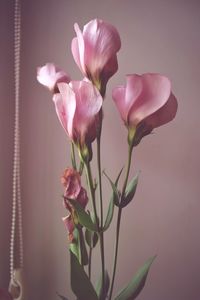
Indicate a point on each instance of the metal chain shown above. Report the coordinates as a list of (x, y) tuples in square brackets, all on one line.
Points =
[(16, 196)]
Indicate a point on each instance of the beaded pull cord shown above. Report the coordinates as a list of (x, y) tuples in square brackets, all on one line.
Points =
[(16, 286)]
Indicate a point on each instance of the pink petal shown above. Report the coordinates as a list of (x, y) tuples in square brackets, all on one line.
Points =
[(65, 104), (88, 104), (76, 54), (49, 75), (102, 41), (148, 93), (82, 197), (165, 114), (72, 182), (118, 95), (81, 45)]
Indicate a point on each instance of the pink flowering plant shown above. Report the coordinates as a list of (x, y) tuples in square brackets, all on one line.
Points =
[(144, 103)]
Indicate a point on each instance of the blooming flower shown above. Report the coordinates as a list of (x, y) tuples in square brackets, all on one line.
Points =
[(49, 75), (77, 106), (94, 51), (146, 102)]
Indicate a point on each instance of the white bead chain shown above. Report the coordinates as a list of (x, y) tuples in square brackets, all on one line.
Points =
[(16, 197)]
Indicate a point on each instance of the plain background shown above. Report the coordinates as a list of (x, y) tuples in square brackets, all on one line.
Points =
[(164, 218)]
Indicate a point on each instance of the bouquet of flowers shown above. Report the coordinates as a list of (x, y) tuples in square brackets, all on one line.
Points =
[(144, 103)]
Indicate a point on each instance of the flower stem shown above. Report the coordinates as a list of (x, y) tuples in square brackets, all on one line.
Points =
[(101, 206), (119, 221), (73, 157), (92, 192), (100, 233), (90, 262)]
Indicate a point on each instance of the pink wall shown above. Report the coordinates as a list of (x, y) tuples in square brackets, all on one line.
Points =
[(157, 36)]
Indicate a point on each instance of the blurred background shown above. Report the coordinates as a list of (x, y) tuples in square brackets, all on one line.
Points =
[(164, 218)]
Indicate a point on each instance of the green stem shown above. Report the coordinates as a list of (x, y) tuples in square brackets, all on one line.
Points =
[(92, 192), (100, 233), (79, 247), (73, 157), (101, 205), (90, 263), (118, 223)]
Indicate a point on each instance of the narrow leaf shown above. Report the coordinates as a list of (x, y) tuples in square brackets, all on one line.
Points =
[(109, 214), (136, 285), (91, 238), (82, 248), (99, 289), (130, 191), (83, 218), (80, 283), (116, 194)]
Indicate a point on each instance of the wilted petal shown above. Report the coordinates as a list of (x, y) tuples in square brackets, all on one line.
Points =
[(72, 182), (82, 197), (49, 75)]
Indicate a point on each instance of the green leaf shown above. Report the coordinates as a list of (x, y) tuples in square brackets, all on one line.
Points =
[(116, 193), (82, 248), (83, 218), (91, 238), (62, 297), (109, 214), (136, 285), (80, 283), (111, 206), (130, 191), (99, 290)]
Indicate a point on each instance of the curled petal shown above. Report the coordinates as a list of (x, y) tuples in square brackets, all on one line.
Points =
[(49, 75)]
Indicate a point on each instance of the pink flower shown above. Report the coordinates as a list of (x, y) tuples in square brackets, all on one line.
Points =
[(69, 224), (94, 51), (146, 102), (77, 107), (72, 182), (49, 75)]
